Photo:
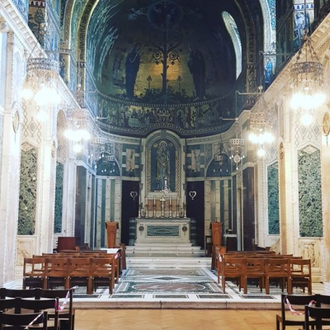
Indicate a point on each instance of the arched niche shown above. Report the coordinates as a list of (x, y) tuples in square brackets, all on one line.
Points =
[(163, 161)]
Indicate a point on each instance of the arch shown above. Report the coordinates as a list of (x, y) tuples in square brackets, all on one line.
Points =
[(236, 39), (173, 152), (219, 167), (107, 165)]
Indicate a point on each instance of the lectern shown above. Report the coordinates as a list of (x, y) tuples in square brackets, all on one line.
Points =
[(216, 233), (111, 227), (216, 241)]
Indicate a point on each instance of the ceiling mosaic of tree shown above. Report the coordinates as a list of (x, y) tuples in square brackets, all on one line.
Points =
[(165, 64)]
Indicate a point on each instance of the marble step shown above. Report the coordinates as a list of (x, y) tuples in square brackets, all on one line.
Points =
[(168, 262), (176, 250)]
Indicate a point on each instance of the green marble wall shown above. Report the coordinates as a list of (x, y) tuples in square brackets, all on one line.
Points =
[(58, 198), (28, 192), (310, 196), (273, 200)]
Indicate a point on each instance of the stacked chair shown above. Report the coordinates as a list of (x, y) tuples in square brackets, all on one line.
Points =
[(55, 306)]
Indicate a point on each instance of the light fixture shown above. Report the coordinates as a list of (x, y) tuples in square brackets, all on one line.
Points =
[(41, 81), (77, 148), (307, 82), (237, 150), (77, 130), (218, 157), (259, 126)]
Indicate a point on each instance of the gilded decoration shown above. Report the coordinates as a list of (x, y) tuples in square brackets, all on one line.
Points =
[(146, 72), (326, 125), (281, 151)]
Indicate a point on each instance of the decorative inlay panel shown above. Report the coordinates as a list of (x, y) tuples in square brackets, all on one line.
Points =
[(160, 231), (273, 200), (310, 196)]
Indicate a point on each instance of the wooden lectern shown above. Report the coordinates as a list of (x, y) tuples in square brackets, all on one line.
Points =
[(111, 227), (216, 233), (216, 240)]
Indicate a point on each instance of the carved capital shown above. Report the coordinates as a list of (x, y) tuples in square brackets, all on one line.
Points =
[(4, 27)]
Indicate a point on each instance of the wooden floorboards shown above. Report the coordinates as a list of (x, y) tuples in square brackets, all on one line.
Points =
[(175, 319)]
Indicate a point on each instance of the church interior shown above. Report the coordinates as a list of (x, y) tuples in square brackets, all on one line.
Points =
[(170, 130)]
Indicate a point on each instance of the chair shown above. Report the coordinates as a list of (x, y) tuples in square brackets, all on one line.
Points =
[(39, 305), (301, 274), (57, 272), (22, 293), (278, 268), (80, 273), (292, 310), (253, 268), (103, 272), (21, 321), (66, 312), (231, 268), (320, 316), (6, 304), (323, 300), (33, 272)]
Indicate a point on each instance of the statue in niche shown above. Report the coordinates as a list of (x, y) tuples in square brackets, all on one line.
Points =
[(163, 165), (197, 68), (130, 160), (195, 160), (132, 67)]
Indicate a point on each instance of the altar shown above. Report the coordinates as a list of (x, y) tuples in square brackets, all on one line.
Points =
[(162, 230)]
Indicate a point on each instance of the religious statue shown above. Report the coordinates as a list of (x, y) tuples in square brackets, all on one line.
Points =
[(132, 67), (163, 165), (197, 68)]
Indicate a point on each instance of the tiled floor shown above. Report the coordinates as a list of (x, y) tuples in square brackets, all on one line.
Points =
[(163, 288), (178, 288)]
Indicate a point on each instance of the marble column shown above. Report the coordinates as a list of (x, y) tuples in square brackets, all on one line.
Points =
[(10, 137), (325, 165), (286, 192)]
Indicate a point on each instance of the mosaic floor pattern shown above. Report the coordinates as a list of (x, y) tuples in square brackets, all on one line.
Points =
[(178, 288), (183, 288)]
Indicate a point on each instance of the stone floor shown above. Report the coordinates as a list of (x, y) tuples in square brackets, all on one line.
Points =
[(179, 288)]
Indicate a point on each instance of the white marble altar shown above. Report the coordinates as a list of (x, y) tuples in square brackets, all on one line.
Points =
[(163, 230)]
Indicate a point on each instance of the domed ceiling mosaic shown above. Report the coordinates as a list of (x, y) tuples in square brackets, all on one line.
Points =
[(168, 64)]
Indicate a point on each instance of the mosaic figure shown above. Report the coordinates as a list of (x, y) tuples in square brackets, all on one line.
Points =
[(132, 67), (163, 165), (197, 68)]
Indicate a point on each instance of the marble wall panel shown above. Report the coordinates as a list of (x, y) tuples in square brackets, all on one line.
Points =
[(273, 200), (310, 195)]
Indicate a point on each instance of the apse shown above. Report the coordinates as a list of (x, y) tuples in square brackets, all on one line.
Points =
[(168, 64)]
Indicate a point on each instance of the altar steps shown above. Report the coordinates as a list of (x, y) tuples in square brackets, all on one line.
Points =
[(166, 256)]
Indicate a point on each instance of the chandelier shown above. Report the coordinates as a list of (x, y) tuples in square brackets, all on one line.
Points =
[(77, 130), (41, 83), (237, 150), (307, 82), (259, 131), (259, 124)]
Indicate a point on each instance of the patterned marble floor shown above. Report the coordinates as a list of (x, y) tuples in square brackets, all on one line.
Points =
[(168, 288), (177, 288)]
